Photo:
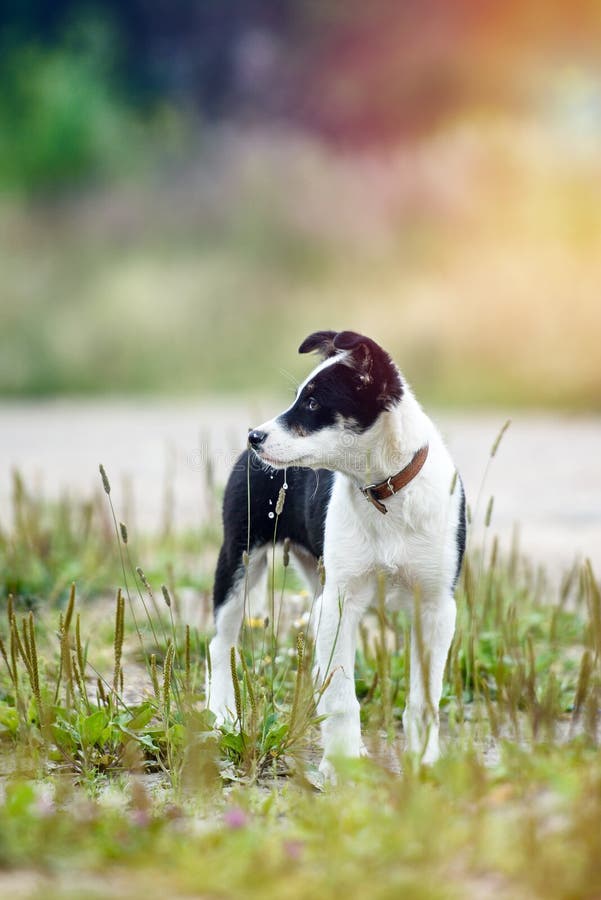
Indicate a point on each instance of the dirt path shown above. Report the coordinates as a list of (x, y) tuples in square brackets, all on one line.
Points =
[(160, 455)]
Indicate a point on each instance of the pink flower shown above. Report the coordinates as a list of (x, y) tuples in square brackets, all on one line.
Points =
[(140, 817), (293, 849), (235, 817), (45, 806)]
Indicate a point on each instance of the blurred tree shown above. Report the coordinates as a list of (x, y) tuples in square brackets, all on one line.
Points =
[(355, 72)]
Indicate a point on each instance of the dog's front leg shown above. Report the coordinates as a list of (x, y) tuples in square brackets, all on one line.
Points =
[(219, 684), (431, 636), (335, 650)]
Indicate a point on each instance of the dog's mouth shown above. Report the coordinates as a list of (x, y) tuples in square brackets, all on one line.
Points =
[(278, 463)]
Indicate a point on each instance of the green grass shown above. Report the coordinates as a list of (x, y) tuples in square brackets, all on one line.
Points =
[(530, 828), (128, 789)]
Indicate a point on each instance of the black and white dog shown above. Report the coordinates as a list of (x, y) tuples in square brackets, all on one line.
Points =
[(370, 488)]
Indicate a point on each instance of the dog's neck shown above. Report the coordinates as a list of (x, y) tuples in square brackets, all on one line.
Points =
[(390, 444)]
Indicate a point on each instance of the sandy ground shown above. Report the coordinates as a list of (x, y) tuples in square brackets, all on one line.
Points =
[(159, 456)]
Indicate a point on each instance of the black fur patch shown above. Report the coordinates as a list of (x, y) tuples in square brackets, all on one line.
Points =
[(356, 389), (321, 342), (461, 532), (302, 518)]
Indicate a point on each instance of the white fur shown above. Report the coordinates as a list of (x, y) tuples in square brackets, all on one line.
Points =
[(219, 684), (414, 545)]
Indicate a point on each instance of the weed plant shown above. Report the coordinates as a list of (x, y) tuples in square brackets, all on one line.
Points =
[(512, 808)]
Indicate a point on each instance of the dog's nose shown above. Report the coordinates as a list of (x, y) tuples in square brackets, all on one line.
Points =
[(256, 438)]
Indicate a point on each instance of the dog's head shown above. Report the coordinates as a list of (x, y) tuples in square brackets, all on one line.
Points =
[(340, 400)]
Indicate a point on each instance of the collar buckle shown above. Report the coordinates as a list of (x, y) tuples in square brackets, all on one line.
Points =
[(375, 492), (370, 496)]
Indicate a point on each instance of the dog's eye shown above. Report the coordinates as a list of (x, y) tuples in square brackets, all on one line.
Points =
[(312, 404)]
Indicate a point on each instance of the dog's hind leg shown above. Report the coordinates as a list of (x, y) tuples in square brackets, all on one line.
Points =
[(307, 566), (232, 587), (431, 635)]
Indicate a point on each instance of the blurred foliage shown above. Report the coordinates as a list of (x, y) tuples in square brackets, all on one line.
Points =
[(59, 124), (66, 118), (189, 185), (473, 257), (77, 75)]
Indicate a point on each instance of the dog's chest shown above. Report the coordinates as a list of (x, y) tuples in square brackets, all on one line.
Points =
[(360, 539), (398, 553)]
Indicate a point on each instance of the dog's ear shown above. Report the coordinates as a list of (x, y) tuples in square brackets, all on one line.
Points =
[(321, 342), (374, 367), (362, 349)]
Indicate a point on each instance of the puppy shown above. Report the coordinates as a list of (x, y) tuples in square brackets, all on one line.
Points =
[(372, 490)]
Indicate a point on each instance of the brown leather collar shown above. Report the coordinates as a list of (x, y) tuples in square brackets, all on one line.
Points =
[(375, 493)]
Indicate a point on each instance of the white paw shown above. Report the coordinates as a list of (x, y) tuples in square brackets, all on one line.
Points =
[(223, 717), (220, 700), (327, 771), (421, 736), (431, 754), (223, 708)]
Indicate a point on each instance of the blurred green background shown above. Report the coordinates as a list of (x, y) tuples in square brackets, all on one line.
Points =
[(188, 188)]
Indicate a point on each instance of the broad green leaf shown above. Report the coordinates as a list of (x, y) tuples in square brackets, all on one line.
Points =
[(145, 739), (91, 727), (63, 737), (9, 719), (141, 718)]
